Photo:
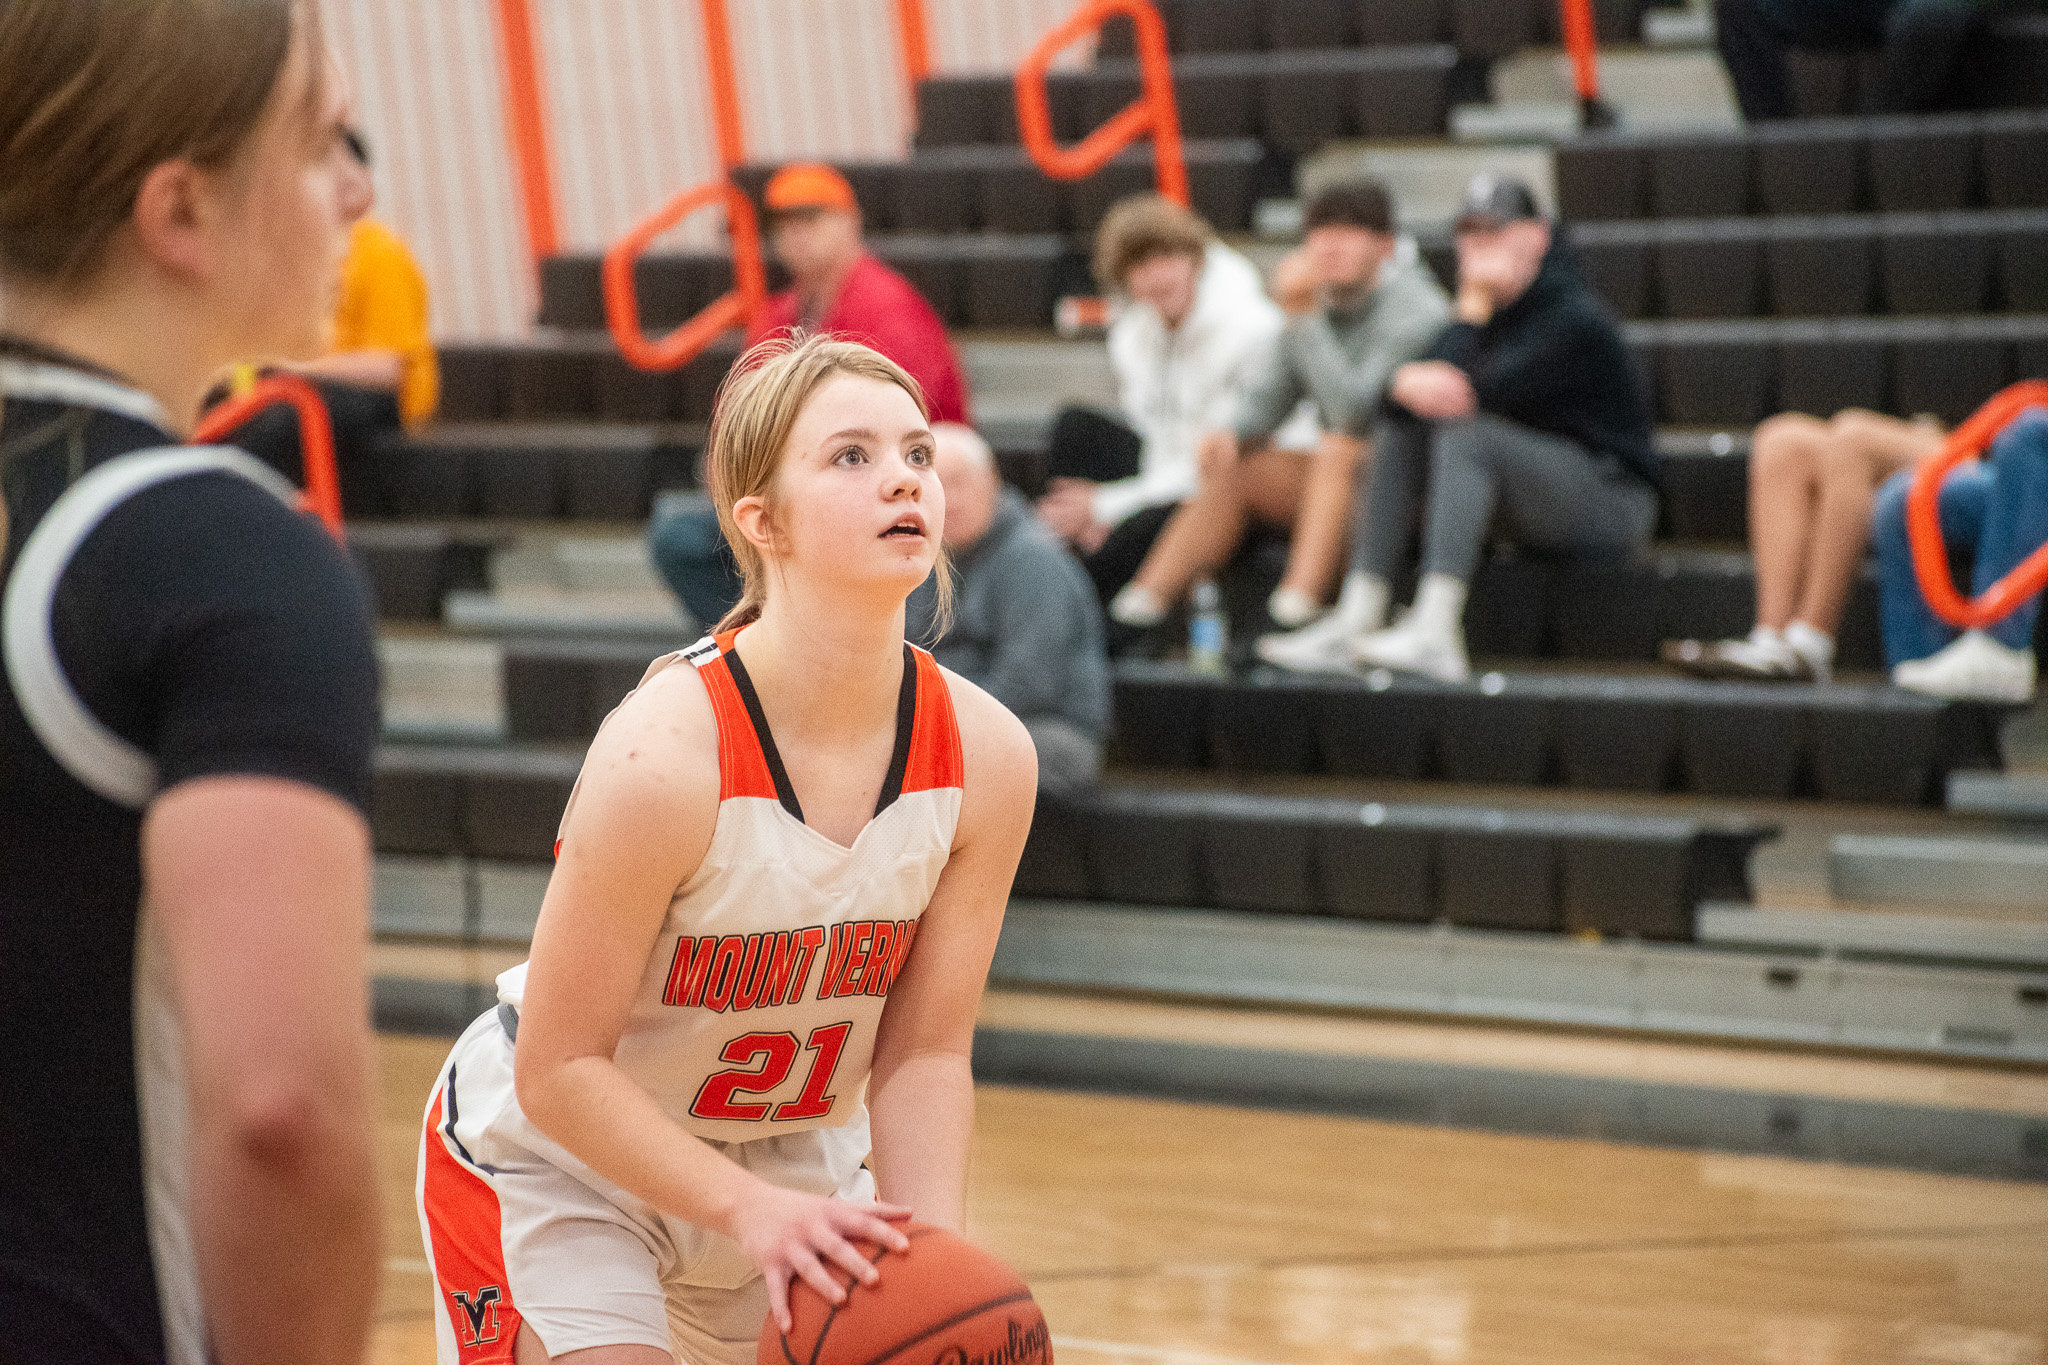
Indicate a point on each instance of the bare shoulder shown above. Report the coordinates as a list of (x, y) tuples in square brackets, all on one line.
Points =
[(1001, 763), (654, 762)]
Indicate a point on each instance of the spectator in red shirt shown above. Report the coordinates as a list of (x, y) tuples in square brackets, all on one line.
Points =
[(814, 227)]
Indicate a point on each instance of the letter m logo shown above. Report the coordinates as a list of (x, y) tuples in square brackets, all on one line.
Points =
[(477, 1323)]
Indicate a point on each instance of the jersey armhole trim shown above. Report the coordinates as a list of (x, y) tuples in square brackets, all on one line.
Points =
[(93, 754)]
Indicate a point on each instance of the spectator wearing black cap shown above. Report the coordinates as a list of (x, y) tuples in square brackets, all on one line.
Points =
[(1360, 303), (1526, 406)]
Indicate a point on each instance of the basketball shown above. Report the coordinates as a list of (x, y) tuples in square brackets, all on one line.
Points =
[(943, 1300)]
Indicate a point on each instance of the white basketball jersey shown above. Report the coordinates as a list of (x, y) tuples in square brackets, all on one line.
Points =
[(758, 1009)]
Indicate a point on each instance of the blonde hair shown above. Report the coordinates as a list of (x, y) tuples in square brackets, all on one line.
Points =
[(758, 406)]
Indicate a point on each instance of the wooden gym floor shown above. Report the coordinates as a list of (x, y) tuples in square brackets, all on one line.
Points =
[(1159, 1232)]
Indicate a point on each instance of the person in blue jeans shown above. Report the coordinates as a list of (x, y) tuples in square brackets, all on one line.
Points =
[(1997, 507)]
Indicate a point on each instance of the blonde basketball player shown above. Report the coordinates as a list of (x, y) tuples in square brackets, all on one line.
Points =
[(776, 895)]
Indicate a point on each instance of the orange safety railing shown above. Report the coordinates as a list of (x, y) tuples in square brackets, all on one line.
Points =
[(316, 437), (1154, 113), (914, 34), (734, 308), (749, 293), (1923, 519), (526, 123)]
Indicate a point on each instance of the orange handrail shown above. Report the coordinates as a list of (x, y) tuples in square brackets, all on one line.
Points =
[(913, 38), (1154, 112), (738, 305), (526, 121), (732, 309), (316, 437), (725, 86), (1575, 17), (1923, 519), (915, 35)]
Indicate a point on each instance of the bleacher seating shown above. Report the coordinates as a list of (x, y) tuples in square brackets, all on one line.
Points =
[(1622, 875), (1897, 264)]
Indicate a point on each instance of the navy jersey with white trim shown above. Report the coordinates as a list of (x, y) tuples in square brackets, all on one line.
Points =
[(218, 632)]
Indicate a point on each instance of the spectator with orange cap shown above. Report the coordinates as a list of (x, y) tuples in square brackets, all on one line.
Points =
[(814, 226), (838, 288)]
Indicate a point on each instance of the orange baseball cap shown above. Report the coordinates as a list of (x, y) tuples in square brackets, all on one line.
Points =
[(809, 185)]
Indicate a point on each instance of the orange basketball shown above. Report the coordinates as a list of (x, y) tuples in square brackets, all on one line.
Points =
[(942, 1302)]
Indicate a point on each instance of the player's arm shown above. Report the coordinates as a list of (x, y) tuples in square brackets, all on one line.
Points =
[(643, 818), (260, 888), (921, 1093), (259, 655)]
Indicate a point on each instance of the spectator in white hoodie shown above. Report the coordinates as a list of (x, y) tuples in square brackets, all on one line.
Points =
[(1361, 306), (1187, 342)]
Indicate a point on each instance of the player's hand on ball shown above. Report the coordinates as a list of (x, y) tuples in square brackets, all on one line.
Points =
[(791, 1234)]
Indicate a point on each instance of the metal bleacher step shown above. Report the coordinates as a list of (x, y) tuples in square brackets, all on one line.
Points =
[(2002, 796), (1780, 994), (1893, 935), (1960, 870)]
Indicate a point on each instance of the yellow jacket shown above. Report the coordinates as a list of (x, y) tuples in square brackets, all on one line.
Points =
[(383, 307)]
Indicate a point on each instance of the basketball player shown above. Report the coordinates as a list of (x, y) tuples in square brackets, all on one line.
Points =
[(189, 708), (776, 894)]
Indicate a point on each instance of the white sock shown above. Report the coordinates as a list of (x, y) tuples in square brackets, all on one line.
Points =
[(1761, 634), (1439, 605), (1291, 609), (1815, 646), (1137, 607), (1362, 602)]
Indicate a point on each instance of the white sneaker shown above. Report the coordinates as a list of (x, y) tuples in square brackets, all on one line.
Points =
[(1139, 608), (1974, 667), (1412, 648), (1324, 647), (1292, 610)]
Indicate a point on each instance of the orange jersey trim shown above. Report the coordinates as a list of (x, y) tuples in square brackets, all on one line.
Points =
[(935, 758), (742, 764)]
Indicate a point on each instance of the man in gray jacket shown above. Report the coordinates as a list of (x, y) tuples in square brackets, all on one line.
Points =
[(1361, 305), (1026, 626)]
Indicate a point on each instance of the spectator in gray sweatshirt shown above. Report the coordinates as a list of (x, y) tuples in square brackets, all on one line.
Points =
[(1026, 625), (1361, 304)]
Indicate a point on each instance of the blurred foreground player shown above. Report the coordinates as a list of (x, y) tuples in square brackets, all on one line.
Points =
[(190, 706), (776, 894)]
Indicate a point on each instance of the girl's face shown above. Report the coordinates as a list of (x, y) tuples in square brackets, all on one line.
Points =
[(856, 502), (287, 203)]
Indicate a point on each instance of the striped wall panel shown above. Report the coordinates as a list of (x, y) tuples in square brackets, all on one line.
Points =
[(629, 116)]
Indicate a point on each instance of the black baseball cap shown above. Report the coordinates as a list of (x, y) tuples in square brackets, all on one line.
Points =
[(1494, 201)]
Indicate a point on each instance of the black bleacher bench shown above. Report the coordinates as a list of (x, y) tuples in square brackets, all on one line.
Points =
[(1533, 870), (576, 376), (576, 471), (1540, 871), (1736, 372), (1915, 164), (1292, 100), (1821, 266), (1481, 29), (997, 188), (1838, 742), (448, 800), (411, 568)]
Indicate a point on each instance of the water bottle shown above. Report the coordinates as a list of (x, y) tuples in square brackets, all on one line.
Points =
[(1208, 635)]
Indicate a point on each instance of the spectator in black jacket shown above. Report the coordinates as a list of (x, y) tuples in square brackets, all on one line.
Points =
[(1527, 406)]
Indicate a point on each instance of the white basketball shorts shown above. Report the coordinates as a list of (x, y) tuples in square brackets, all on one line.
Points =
[(518, 1230)]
